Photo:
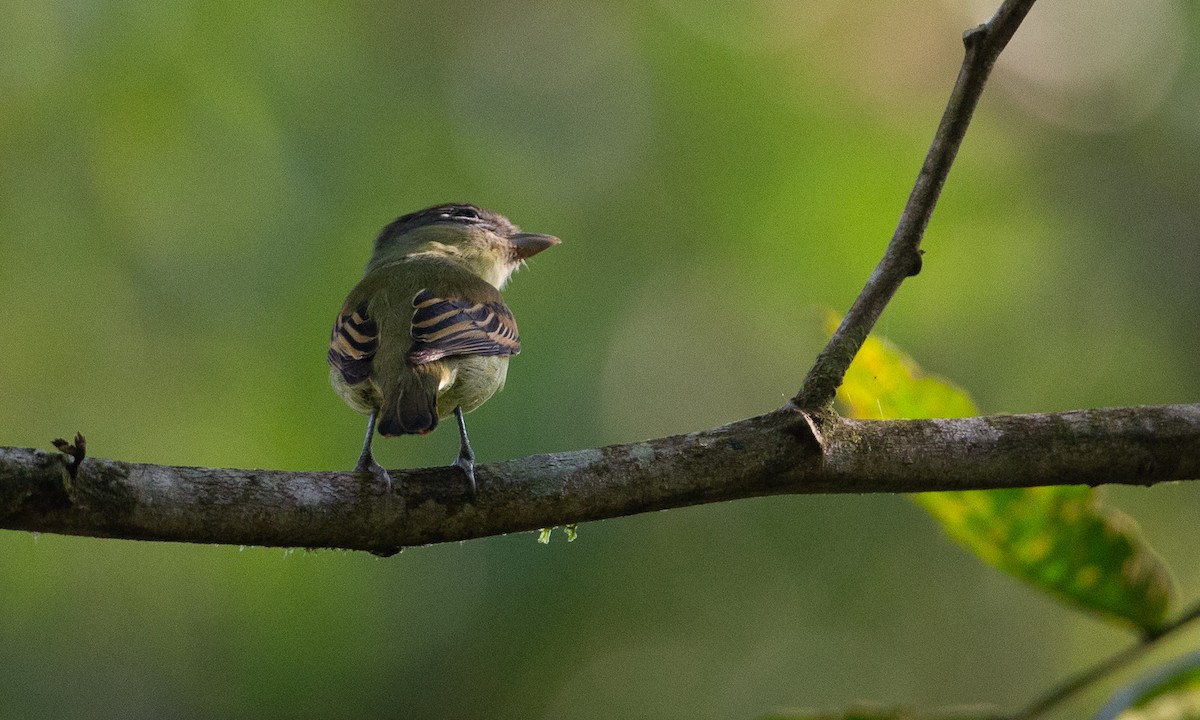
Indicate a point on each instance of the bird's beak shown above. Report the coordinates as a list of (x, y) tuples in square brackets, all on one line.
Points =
[(526, 245)]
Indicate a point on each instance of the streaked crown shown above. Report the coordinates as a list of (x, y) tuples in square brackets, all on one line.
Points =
[(463, 214)]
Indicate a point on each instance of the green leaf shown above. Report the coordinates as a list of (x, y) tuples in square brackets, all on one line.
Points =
[(1171, 692), (1061, 539), (883, 383)]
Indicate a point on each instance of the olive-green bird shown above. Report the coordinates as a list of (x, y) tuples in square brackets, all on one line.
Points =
[(425, 333)]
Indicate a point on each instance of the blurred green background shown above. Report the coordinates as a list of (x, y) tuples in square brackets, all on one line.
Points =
[(188, 190)]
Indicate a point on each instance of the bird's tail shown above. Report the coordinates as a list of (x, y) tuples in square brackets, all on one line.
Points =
[(413, 408)]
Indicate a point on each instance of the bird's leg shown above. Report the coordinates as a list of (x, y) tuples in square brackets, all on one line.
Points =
[(366, 460), (466, 457)]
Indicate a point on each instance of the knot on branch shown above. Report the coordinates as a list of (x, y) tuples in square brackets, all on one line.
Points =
[(975, 37), (916, 263)]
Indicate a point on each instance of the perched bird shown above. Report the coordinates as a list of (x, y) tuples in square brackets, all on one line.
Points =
[(425, 333)]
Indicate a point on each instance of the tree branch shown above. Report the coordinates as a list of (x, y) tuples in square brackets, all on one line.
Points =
[(902, 258), (787, 451), (784, 452)]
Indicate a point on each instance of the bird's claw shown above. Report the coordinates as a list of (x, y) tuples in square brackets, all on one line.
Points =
[(370, 466), (467, 465)]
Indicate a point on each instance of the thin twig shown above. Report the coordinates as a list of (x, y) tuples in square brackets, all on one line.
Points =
[(903, 255), (1070, 687)]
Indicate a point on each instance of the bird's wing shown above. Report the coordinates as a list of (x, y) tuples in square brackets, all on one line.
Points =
[(353, 343), (446, 326)]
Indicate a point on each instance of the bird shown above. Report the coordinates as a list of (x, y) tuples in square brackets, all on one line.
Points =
[(426, 333)]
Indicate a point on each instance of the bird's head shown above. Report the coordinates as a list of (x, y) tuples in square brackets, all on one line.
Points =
[(483, 241)]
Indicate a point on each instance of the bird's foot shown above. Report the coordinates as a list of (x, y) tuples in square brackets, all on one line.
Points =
[(368, 465), (466, 463)]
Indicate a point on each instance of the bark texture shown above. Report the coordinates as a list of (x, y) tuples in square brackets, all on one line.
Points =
[(784, 452)]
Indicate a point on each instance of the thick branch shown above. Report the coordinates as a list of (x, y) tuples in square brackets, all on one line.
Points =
[(784, 452), (903, 255)]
